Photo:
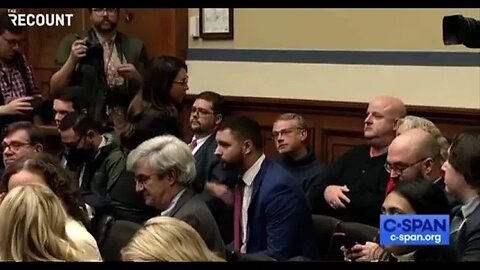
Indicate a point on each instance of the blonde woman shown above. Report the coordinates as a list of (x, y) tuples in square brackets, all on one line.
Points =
[(43, 169), (165, 238), (411, 122), (32, 227)]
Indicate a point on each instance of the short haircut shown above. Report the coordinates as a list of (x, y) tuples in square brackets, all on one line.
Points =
[(32, 227), (164, 153), (7, 25), (218, 103), (423, 196), (166, 238), (75, 94), (301, 123), (465, 156), (244, 128), (35, 135), (79, 122)]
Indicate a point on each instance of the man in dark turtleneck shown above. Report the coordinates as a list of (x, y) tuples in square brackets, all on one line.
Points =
[(290, 133)]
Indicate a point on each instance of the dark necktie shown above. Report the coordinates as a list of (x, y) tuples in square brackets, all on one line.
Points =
[(193, 144), (237, 215)]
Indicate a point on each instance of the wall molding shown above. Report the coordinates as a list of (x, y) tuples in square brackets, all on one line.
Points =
[(346, 57)]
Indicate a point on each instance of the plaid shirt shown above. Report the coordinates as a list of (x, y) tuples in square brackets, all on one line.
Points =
[(12, 85)]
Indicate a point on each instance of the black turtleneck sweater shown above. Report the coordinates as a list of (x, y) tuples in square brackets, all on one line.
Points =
[(304, 170)]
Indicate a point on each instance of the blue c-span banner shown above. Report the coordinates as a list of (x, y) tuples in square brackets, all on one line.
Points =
[(414, 230)]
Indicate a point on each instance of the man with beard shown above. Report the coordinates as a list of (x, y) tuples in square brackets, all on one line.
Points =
[(206, 114), (353, 188), (271, 216), (106, 62), (17, 82)]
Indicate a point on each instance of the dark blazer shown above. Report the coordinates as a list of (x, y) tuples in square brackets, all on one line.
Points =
[(191, 209), (468, 238), (205, 159), (279, 221)]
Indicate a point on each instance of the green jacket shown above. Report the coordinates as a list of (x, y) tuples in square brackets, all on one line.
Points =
[(90, 73), (105, 170)]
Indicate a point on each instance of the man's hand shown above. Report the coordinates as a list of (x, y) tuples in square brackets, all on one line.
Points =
[(220, 191), (371, 251), (17, 106), (335, 197), (129, 71), (79, 49)]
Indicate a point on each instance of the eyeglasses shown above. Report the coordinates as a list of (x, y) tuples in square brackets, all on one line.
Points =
[(12, 42), (14, 146), (284, 132), (390, 168), (181, 82), (100, 11), (200, 111)]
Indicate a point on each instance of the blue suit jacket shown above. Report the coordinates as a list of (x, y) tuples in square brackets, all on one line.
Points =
[(279, 221)]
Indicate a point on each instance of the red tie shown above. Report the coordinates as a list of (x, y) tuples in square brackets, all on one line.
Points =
[(193, 144), (237, 216), (390, 186)]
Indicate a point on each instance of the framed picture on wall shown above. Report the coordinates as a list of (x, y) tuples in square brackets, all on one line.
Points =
[(216, 23)]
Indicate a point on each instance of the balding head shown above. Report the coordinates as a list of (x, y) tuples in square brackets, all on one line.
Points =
[(381, 122), (417, 152)]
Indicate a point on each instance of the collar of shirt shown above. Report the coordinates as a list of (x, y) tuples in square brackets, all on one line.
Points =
[(469, 207), (438, 179), (408, 257), (173, 203), (101, 39), (200, 142), (102, 144), (250, 174)]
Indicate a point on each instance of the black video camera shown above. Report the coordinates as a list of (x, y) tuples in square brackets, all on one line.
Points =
[(94, 52), (458, 29)]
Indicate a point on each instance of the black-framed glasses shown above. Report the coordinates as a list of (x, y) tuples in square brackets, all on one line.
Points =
[(11, 41), (200, 111), (101, 11), (181, 82), (390, 168), (14, 146)]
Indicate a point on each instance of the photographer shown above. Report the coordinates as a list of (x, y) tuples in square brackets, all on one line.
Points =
[(19, 94), (104, 61)]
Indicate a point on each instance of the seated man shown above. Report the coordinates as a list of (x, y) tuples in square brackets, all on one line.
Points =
[(271, 215), (164, 170), (353, 188), (290, 134), (21, 139)]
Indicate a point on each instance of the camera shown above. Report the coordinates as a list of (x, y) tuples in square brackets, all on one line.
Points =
[(94, 53), (458, 29)]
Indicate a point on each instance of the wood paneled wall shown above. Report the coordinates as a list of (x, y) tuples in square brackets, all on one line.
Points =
[(334, 126), (163, 30)]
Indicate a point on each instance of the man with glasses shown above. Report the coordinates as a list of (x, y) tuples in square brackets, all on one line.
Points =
[(21, 139), (353, 188), (106, 62), (17, 83), (206, 114), (290, 135)]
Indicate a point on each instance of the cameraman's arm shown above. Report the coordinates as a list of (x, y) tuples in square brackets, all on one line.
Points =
[(67, 57)]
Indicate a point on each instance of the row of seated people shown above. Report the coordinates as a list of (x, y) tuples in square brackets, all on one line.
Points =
[(351, 189)]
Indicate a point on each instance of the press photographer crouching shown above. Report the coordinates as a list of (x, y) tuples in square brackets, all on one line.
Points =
[(104, 61)]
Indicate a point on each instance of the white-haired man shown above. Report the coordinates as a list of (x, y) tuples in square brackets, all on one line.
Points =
[(164, 169)]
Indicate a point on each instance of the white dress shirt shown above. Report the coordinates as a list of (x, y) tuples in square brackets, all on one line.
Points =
[(248, 178), (174, 201), (200, 142)]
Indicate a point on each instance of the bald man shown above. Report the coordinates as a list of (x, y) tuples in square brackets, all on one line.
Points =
[(416, 154), (353, 188)]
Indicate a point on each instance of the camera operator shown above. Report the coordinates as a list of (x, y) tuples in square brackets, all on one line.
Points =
[(19, 94), (103, 60)]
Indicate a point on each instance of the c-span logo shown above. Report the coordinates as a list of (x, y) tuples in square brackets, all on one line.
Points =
[(22, 19), (414, 230)]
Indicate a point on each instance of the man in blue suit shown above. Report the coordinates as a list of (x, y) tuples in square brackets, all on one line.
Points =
[(274, 219)]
